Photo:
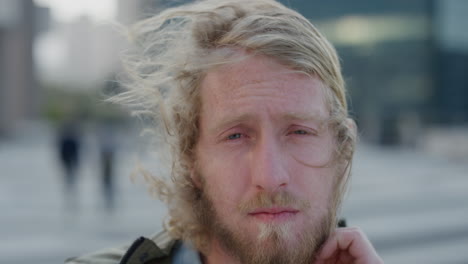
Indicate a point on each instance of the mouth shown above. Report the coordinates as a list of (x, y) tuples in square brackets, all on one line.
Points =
[(273, 214)]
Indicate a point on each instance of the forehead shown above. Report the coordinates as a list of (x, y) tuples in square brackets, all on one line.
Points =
[(260, 83)]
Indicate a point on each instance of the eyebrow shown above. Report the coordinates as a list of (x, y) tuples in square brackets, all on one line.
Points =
[(227, 122), (319, 119), (304, 117)]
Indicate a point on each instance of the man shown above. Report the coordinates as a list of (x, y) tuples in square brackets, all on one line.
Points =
[(253, 105)]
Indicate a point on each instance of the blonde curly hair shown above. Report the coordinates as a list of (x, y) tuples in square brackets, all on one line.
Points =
[(174, 50)]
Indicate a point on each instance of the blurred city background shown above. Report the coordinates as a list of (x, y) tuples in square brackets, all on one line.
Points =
[(66, 156)]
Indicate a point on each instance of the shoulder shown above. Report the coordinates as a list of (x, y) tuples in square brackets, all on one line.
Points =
[(156, 249)]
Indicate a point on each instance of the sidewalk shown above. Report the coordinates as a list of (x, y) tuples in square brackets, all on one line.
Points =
[(36, 226), (414, 207)]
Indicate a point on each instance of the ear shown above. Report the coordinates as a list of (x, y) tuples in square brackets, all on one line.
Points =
[(351, 124)]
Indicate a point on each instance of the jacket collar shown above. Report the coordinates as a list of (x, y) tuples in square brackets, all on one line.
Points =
[(145, 250)]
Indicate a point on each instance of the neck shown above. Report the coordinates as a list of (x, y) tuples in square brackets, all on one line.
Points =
[(217, 254)]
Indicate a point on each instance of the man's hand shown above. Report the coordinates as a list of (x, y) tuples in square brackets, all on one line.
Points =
[(348, 246)]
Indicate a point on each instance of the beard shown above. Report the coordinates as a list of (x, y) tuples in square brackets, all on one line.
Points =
[(276, 243)]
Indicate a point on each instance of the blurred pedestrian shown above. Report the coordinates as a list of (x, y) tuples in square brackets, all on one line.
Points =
[(107, 155), (69, 157)]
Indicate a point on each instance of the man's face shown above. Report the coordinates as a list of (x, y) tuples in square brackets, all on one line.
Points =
[(262, 158)]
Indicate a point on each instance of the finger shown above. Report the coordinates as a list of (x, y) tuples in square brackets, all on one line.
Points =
[(358, 245), (353, 241)]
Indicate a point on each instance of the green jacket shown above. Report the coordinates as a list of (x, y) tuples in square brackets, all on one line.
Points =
[(156, 250)]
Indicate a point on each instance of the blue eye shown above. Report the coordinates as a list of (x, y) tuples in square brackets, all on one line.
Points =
[(234, 136), (300, 132)]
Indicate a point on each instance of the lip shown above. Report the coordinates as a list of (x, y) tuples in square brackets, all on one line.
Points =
[(273, 214), (273, 210)]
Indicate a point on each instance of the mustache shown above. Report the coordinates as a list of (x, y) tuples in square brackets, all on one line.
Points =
[(277, 199)]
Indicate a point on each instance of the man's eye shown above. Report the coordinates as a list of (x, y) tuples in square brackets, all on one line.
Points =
[(234, 136), (300, 132)]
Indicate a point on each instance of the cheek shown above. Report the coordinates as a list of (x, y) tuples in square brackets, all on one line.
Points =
[(225, 181), (316, 184)]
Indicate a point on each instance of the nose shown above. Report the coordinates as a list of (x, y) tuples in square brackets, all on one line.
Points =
[(269, 172)]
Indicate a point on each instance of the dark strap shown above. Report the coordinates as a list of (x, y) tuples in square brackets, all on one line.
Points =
[(342, 222), (142, 251)]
